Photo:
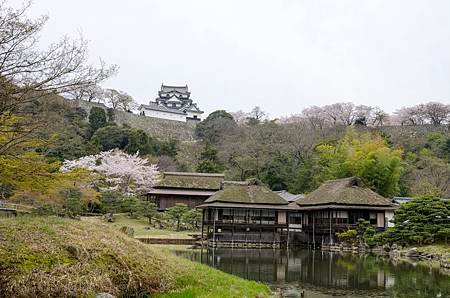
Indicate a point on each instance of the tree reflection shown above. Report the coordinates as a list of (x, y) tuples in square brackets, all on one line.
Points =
[(328, 273)]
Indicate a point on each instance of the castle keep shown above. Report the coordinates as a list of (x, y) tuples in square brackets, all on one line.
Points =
[(172, 103)]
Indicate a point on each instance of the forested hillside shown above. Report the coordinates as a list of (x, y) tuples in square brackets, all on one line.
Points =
[(155, 127), (408, 160), (405, 154)]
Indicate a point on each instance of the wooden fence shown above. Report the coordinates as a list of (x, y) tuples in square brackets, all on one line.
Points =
[(176, 241)]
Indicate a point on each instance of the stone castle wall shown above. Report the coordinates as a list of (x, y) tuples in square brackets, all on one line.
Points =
[(409, 136), (154, 127)]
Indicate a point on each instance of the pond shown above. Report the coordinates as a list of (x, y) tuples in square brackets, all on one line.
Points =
[(319, 274)]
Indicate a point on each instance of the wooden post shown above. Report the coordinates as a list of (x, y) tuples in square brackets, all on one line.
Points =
[(245, 242), (232, 236), (273, 237), (314, 234), (329, 218), (305, 221), (260, 228), (260, 232), (214, 228), (203, 223), (287, 220)]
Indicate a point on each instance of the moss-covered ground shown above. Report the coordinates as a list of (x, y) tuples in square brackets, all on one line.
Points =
[(56, 257)]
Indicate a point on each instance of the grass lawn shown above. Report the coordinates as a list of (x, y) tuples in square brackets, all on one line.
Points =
[(58, 257), (139, 226)]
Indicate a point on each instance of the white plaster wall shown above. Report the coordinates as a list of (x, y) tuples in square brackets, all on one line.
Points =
[(164, 115), (389, 216), (281, 217), (191, 114)]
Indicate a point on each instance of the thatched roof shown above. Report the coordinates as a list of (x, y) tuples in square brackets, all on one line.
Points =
[(347, 191), (181, 192), (233, 192), (204, 181)]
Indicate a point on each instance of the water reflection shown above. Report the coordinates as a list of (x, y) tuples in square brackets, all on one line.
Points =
[(323, 274)]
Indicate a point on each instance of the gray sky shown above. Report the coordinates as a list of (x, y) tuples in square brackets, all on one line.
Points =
[(281, 55)]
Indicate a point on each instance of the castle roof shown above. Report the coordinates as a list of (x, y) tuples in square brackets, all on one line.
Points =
[(179, 89), (162, 108)]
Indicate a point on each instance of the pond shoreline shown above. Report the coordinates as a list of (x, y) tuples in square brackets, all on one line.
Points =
[(316, 273), (432, 256), (413, 255)]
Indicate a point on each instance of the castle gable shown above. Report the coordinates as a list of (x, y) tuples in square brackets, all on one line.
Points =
[(172, 103)]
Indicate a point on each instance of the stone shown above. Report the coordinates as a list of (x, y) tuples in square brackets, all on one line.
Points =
[(109, 217), (104, 295), (394, 254), (445, 261), (412, 253), (291, 293)]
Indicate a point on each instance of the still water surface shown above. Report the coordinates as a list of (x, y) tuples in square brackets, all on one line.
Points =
[(319, 274)]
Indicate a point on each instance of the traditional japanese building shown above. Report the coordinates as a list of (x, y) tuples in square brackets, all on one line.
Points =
[(246, 214), (172, 103), (337, 205), (290, 197), (191, 189)]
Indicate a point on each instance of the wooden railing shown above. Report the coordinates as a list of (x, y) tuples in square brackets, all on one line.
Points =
[(16, 207), (245, 223), (8, 206)]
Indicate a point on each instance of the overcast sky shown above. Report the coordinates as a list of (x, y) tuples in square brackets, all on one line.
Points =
[(280, 55)]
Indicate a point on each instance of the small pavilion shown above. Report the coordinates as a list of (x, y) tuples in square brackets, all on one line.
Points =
[(246, 214), (337, 205)]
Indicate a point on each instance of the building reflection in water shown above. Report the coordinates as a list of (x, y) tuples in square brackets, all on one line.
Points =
[(324, 271)]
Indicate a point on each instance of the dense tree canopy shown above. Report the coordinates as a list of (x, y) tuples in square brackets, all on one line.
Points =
[(97, 119), (111, 137), (367, 157), (216, 125), (423, 220), (209, 161)]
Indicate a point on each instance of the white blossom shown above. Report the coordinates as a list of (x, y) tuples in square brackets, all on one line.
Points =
[(129, 173)]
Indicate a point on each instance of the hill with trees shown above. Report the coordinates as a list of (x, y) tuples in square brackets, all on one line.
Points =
[(56, 257), (403, 154)]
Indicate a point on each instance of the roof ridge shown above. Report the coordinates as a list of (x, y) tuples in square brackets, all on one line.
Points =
[(174, 86), (345, 191), (342, 179), (194, 174)]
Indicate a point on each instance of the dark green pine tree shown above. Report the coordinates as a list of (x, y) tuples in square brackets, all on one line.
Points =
[(209, 161)]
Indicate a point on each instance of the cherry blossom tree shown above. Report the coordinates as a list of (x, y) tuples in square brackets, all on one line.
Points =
[(123, 172)]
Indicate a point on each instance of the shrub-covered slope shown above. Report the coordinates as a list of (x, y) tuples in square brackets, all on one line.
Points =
[(49, 256)]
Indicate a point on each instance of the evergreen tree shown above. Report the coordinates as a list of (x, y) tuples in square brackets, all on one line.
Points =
[(131, 205), (215, 126), (97, 119), (208, 161), (110, 137), (149, 210), (193, 217), (137, 142), (177, 212), (422, 220)]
